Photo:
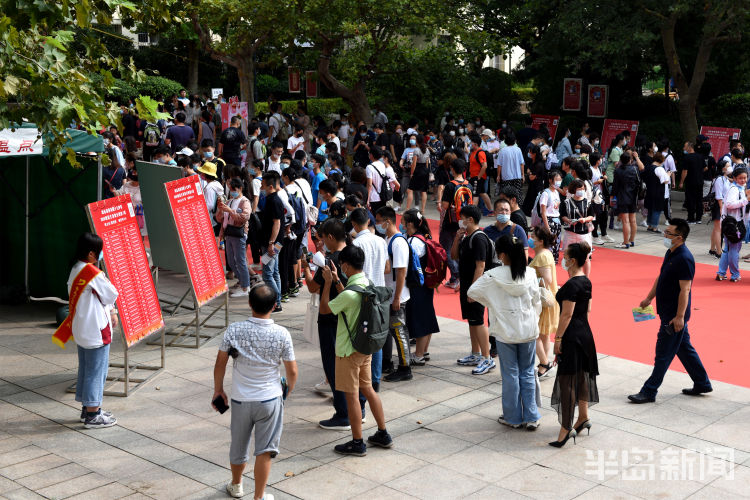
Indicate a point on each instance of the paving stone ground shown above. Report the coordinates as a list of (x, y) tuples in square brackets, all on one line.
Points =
[(170, 444)]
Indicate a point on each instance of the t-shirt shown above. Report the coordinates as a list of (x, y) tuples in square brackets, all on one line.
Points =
[(551, 200), (261, 345), (476, 158), (357, 189), (317, 179), (376, 255), (399, 257), (272, 210), (179, 136), (373, 172), (577, 212), (518, 217), (449, 192), (208, 130), (115, 176), (347, 303), (232, 138), (511, 163), (329, 319), (494, 233), (677, 265), (694, 164), (474, 247), (292, 143), (129, 125)]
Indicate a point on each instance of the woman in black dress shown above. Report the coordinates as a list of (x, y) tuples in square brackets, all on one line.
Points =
[(577, 366)]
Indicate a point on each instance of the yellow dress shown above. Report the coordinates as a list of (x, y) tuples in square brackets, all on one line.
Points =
[(550, 315)]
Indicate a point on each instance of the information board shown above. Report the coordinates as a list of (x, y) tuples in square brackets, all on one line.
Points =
[(572, 93), (311, 83), (598, 98), (295, 86), (127, 266), (550, 121), (719, 137), (233, 108), (196, 235), (614, 127)]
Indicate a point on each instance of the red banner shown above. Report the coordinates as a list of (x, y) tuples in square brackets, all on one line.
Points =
[(614, 127), (719, 139), (233, 108), (295, 86), (196, 238), (311, 83), (598, 99), (127, 266), (550, 121), (572, 94)]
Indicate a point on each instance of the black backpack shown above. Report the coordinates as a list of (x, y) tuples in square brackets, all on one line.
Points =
[(732, 230), (300, 214), (373, 321), (386, 191)]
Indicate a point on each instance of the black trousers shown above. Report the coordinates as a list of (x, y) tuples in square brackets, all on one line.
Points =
[(694, 201)]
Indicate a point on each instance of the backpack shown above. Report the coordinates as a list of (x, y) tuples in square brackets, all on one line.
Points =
[(490, 265), (300, 214), (310, 210), (732, 230), (386, 191), (436, 263), (151, 135), (414, 275), (282, 135), (373, 322), (462, 197), (262, 148), (490, 160)]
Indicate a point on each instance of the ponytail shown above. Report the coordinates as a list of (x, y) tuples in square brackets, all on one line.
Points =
[(514, 249)]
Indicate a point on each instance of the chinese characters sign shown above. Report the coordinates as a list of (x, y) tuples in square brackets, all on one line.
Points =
[(196, 238), (20, 142), (127, 266), (311, 83), (295, 86), (718, 138), (550, 121), (614, 127), (572, 90)]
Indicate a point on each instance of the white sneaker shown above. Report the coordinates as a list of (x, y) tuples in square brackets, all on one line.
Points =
[(235, 490), (323, 387), (501, 420), (598, 241), (483, 367), (607, 238), (100, 421), (532, 426), (470, 360), (240, 292), (618, 226), (643, 224)]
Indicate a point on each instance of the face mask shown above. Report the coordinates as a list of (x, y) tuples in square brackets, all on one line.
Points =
[(400, 132), (105, 142), (685, 152), (581, 193), (380, 228), (531, 243), (452, 133), (528, 155), (252, 172), (263, 192), (158, 160), (234, 194), (564, 264), (208, 154), (413, 142), (446, 113), (503, 218), (558, 184), (101, 255), (477, 123), (460, 131), (284, 166), (461, 121), (625, 143), (196, 166), (578, 150), (325, 248), (401, 228), (462, 224), (505, 125), (656, 149), (667, 242), (596, 142), (363, 135)]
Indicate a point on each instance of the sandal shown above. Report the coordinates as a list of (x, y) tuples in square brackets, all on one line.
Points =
[(546, 367)]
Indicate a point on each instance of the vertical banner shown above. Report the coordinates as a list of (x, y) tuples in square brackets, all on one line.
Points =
[(311, 83), (598, 99), (127, 266), (614, 127), (550, 121), (295, 84), (196, 238), (233, 108), (20, 142), (719, 137), (215, 93), (572, 90)]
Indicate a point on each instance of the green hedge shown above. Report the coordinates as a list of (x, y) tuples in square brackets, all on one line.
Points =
[(152, 86), (730, 110), (317, 106), (524, 93)]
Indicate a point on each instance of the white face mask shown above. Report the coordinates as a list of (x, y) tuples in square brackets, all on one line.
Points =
[(656, 149), (462, 224), (564, 264), (581, 193), (667, 242)]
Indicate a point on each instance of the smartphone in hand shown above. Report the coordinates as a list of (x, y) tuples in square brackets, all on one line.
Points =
[(220, 405)]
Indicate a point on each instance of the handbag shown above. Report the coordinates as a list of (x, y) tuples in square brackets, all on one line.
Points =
[(310, 327), (548, 299), (234, 231), (709, 201)]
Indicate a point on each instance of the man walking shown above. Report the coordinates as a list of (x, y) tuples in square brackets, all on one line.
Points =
[(672, 290), (258, 347), (232, 142), (272, 233)]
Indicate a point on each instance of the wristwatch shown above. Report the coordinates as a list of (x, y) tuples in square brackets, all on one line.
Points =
[(335, 283)]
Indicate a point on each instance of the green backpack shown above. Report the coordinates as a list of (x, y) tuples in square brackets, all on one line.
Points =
[(373, 322)]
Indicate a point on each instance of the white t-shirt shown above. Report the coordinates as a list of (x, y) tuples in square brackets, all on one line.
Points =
[(292, 143), (284, 197), (305, 192), (721, 185), (344, 132), (418, 246), (276, 121), (262, 346), (551, 200), (337, 142), (663, 179), (92, 311), (376, 256), (256, 186), (373, 172), (274, 166), (399, 259)]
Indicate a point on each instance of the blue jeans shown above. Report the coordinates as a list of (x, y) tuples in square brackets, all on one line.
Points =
[(376, 367), (271, 276), (93, 365), (730, 257), (237, 256), (747, 232), (519, 385), (653, 217), (667, 346)]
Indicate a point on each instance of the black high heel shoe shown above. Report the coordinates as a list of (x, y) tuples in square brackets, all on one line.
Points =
[(585, 425), (560, 444)]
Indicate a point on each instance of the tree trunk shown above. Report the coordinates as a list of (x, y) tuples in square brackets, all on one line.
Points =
[(360, 105), (246, 75), (355, 98), (192, 67), (688, 119)]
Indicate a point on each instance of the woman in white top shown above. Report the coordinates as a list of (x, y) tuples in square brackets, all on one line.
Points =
[(735, 201), (421, 319), (720, 186), (549, 209), (511, 294)]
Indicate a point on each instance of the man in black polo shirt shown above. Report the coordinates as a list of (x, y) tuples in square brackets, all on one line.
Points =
[(672, 292), (272, 232)]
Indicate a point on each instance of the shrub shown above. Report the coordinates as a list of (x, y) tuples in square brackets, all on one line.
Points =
[(730, 110), (157, 87), (318, 106)]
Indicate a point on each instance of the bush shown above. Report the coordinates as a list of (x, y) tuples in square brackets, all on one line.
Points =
[(317, 106), (730, 110), (157, 87), (469, 107), (524, 93), (267, 84)]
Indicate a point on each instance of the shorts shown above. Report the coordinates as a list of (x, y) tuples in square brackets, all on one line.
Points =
[(716, 212), (626, 209), (353, 372), (569, 237), (420, 180), (266, 417), (472, 312), (478, 186)]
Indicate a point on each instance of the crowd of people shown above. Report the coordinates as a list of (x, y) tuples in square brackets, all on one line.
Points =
[(316, 202)]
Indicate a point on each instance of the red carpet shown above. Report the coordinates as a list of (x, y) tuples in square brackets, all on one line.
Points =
[(622, 279)]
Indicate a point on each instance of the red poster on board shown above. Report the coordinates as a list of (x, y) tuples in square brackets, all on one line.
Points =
[(598, 98), (614, 127), (311, 83), (127, 266), (551, 121), (719, 137), (295, 86), (196, 238), (572, 94)]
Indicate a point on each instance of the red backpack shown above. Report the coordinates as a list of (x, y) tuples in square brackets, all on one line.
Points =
[(461, 197), (436, 262)]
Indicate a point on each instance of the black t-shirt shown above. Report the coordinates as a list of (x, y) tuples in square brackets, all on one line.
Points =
[(678, 265), (448, 193), (442, 177), (694, 164), (398, 145), (318, 278), (129, 127), (115, 178), (232, 138), (518, 217), (362, 154), (578, 209), (273, 210), (473, 248), (540, 171), (358, 189), (383, 141)]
